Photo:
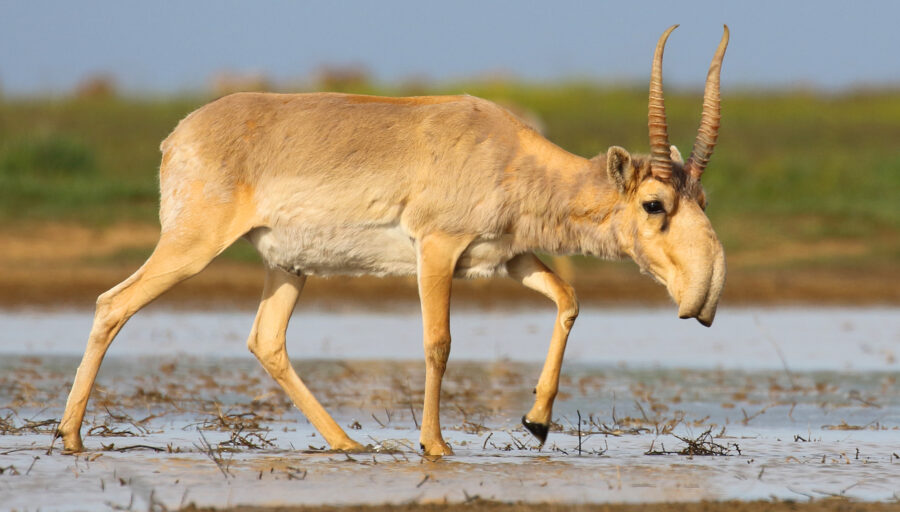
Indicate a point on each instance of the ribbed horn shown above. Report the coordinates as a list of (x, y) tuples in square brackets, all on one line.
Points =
[(660, 162), (709, 120)]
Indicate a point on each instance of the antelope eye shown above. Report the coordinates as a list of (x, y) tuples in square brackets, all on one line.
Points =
[(653, 207)]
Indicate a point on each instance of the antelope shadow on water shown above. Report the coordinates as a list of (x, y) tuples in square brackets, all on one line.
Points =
[(438, 187)]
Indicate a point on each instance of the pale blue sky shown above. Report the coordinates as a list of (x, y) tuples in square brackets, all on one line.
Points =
[(166, 46)]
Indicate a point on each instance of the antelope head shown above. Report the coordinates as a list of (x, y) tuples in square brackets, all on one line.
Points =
[(661, 206)]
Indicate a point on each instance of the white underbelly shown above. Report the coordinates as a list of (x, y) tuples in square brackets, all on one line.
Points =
[(366, 250), (337, 250)]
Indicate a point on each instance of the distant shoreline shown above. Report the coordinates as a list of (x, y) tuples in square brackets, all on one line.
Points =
[(52, 265)]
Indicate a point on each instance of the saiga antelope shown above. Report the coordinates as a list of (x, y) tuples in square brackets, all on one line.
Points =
[(437, 186)]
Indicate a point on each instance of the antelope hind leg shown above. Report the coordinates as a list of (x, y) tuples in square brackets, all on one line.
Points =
[(529, 270), (267, 342), (173, 261)]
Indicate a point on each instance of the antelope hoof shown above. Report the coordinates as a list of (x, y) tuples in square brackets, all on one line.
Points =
[(538, 430), (438, 449), (71, 443), (349, 446)]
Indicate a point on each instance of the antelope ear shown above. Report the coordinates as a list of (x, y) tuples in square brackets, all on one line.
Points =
[(675, 155), (619, 168)]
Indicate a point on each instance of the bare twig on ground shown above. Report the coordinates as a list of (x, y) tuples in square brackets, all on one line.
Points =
[(216, 458)]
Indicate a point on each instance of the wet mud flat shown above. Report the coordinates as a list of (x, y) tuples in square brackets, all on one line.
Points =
[(493, 506), (171, 430)]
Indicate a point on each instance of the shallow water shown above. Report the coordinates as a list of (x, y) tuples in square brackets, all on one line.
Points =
[(808, 339), (803, 402)]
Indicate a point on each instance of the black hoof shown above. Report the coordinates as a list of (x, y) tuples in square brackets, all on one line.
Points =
[(538, 430)]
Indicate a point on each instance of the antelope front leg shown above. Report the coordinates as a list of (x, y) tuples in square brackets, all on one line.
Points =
[(529, 270), (436, 261)]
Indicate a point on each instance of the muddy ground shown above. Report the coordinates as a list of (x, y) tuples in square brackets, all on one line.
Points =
[(641, 417), (164, 434), (489, 506)]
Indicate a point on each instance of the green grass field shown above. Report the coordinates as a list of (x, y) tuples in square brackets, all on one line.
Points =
[(790, 167)]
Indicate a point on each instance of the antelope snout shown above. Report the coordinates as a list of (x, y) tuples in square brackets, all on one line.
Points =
[(693, 309), (686, 311), (700, 296)]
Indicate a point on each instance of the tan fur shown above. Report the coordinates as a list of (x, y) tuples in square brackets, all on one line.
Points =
[(441, 187)]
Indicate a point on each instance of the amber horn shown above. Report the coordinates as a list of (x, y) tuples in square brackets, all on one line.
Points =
[(709, 120), (660, 161)]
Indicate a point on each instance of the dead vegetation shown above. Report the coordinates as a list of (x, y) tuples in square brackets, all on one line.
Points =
[(481, 400), (227, 419), (8, 426), (702, 445), (231, 421), (251, 440)]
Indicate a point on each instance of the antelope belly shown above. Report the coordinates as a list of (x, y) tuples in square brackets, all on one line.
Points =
[(337, 250), (366, 250)]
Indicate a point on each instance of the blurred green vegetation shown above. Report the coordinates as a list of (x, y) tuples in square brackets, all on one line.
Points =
[(91, 161), (790, 166)]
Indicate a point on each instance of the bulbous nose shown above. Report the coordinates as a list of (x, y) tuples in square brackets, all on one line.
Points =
[(708, 313), (703, 308), (692, 310)]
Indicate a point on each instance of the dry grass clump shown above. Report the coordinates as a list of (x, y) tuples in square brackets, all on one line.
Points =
[(702, 445)]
